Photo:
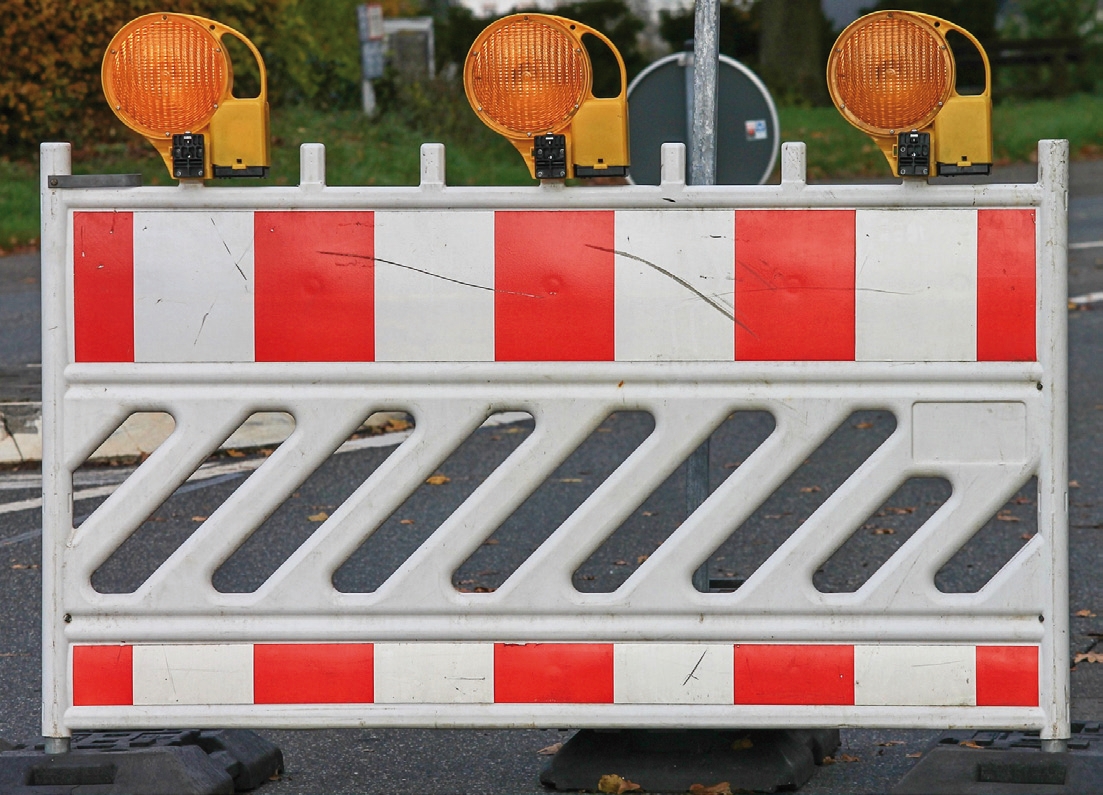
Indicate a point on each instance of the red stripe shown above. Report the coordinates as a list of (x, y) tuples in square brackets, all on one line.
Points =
[(1007, 676), (103, 286), (553, 673), (808, 674), (554, 282), (103, 676), (315, 286), (1006, 279), (313, 673), (794, 285)]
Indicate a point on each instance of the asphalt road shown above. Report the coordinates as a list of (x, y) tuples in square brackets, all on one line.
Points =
[(488, 761)]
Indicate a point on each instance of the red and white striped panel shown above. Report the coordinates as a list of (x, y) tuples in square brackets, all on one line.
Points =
[(631, 285), (556, 673)]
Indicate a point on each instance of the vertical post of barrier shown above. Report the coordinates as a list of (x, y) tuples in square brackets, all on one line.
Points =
[(1053, 495), (56, 159)]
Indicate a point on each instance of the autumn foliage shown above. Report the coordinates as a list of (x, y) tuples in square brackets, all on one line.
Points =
[(51, 50)]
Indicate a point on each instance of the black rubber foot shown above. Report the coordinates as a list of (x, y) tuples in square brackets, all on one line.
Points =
[(1008, 763), (166, 762), (757, 760)]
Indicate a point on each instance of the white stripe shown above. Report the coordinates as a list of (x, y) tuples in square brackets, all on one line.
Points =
[(916, 281), (673, 673), (434, 673), (1089, 244), (193, 674), (193, 286), (658, 318), (915, 676), (443, 310)]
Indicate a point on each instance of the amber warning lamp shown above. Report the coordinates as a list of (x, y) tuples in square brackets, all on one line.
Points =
[(892, 75), (168, 77), (528, 77)]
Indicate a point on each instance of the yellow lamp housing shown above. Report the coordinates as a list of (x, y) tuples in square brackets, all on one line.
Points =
[(168, 77), (892, 75), (528, 77)]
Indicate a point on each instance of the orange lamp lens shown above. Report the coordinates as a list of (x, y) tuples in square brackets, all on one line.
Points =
[(165, 73), (890, 72), (526, 76)]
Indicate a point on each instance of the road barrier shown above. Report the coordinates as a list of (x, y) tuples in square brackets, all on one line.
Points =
[(942, 304)]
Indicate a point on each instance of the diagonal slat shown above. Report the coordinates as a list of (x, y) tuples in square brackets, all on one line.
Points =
[(425, 579), (543, 581), (441, 426), (200, 429), (320, 428), (666, 576)]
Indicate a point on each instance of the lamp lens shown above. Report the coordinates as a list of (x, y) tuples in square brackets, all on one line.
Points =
[(890, 72), (165, 74), (527, 76)]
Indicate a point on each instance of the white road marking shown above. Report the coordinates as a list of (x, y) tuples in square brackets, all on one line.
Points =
[(1087, 298)]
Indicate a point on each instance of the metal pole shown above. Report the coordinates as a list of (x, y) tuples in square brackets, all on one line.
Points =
[(702, 171), (706, 57)]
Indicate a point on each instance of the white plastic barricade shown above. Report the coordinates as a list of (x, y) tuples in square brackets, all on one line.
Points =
[(942, 304)]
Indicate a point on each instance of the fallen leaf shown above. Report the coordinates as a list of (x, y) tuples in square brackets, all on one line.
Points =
[(890, 743), (620, 562), (828, 760), (773, 516), (550, 750), (862, 426), (490, 542), (25, 566), (916, 755), (848, 758), (884, 531), (438, 480), (1085, 613), (1088, 657), (515, 430), (649, 513), (199, 518), (723, 788), (615, 785), (604, 430), (970, 744), (266, 451), (397, 425), (321, 516), (901, 511), (1074, 484), (1022, 501), (1006, 516), (570, 480), (405, 521), (1026, 536), (742, 744), (641, 558), (810, 489), (235, 454), (587, 577), (732, 464)]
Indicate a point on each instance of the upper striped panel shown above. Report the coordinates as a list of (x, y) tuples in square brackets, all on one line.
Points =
[(928, 285)]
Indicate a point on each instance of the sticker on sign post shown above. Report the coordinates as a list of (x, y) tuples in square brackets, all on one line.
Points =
[(756, 129)]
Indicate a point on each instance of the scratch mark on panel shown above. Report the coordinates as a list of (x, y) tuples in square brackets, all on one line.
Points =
[(428, 273)]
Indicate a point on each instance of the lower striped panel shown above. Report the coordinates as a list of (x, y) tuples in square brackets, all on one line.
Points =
[(556, 673)]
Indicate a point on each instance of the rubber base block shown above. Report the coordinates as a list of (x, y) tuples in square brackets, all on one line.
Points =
[(672, 761), (168, 762), (1008, 763)]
